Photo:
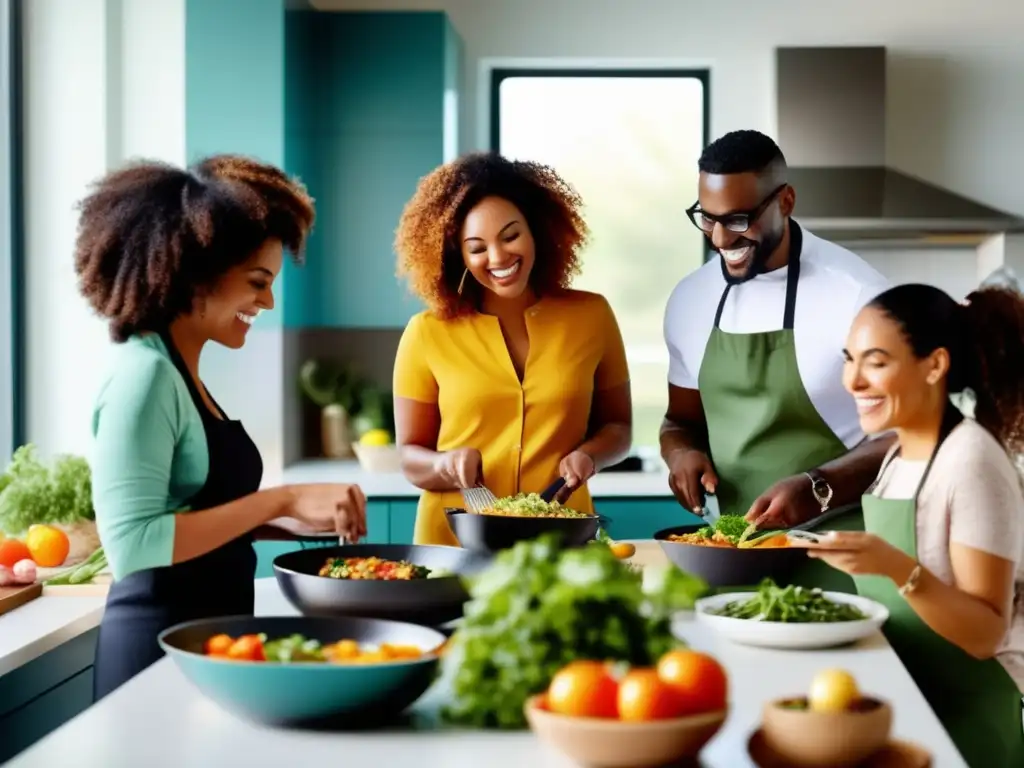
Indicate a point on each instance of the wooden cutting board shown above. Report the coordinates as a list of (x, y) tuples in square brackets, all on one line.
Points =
[(14, 597)]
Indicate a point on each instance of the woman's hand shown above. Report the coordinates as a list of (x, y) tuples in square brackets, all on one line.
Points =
[(576, 468), (337, 507), (861, 554), (461, 468)]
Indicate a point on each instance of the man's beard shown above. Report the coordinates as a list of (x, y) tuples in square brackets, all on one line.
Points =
[(762, 253)]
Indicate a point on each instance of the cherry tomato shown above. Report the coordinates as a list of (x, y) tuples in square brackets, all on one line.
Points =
[(218, 645), (247, 648), (700, 682), (645, 696), (583, 689)]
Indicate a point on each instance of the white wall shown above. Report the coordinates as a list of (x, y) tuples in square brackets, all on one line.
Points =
[(956, 90), (954, 270), (104, 81)]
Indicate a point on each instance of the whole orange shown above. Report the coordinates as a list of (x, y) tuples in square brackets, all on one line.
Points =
[(645, 696), (13, 551), (49, 545), (583, 689), (699, 681)]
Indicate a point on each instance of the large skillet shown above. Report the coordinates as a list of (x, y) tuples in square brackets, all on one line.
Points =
[(728, 566), (493, 533), (431, 602)]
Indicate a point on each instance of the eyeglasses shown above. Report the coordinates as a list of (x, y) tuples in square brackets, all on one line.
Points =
[(738, 221)]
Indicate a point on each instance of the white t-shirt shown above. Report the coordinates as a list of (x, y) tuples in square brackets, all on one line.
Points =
[(834, 285), (972, 497)]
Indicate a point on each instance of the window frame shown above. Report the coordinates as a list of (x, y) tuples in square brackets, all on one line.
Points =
[(12, 369), (499, 74), (701, 74)]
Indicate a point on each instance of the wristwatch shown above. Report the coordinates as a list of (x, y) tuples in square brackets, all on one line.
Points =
[(820, 488)]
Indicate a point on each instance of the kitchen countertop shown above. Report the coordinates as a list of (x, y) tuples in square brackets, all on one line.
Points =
[(41, 625), (394, 485), (159, 719)]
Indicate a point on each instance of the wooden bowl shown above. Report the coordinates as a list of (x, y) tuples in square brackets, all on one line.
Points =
[(826, 739), (606, 743)]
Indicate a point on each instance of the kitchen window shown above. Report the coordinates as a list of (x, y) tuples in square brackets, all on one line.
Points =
[(11, 279), (629, 141)]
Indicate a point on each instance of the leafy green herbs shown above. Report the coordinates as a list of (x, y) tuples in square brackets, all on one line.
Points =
[(792, 605), (539, 607), (731, 527), (32, 493)]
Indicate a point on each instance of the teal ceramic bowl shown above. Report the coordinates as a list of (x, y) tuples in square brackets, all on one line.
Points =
[(313, 694)]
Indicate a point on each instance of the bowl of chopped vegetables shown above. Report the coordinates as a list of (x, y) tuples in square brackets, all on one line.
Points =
[(301, 671), (791, 617), (416, 583), (731, 553), (521, 518)]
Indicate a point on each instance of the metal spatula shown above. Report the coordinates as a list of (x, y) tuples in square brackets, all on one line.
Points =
[(478, 499)]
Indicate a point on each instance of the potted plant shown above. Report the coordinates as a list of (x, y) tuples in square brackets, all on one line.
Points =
[(332, 388)]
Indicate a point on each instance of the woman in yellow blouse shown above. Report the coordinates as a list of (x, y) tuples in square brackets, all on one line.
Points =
[(509, 378)]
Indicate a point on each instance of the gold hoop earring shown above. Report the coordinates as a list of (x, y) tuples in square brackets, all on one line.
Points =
[(462, 282)]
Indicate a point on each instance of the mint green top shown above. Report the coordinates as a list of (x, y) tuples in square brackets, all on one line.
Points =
[(149, 456)]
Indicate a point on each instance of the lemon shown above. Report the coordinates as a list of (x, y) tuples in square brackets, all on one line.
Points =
[(376, 437), (832, 690)]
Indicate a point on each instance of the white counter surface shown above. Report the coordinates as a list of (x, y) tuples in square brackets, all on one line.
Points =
[(41, 625), (394, 484), (159, 719)]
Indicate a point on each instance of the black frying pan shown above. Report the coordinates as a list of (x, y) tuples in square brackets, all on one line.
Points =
[(493, 533), (430, 602), (727, 566)]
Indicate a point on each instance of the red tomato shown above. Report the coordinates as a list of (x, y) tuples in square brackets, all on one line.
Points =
[(218, 645), (699, 681), (247, 648), (645, 696), (583, 689)]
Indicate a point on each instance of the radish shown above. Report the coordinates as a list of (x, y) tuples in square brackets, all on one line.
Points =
[(25, 571), (7, 577)]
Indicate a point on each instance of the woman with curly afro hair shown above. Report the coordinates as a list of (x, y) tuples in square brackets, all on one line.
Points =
[(943, 545), (509, 378), (174, 259)]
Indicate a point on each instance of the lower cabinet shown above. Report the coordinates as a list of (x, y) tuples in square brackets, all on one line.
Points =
[(42, 695), (643, 516)]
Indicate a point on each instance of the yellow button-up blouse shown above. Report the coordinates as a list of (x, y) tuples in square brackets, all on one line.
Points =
[(522, 430)]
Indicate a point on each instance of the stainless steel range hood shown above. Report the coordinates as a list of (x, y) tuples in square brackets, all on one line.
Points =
[(831, 127)]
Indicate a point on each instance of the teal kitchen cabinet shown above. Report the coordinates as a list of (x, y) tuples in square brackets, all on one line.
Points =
[(403, 520), (371, 106), (640, 517), (41, 696), (378, 531)]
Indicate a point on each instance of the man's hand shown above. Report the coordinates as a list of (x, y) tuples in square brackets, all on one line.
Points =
[(691, 475), (787, 503)]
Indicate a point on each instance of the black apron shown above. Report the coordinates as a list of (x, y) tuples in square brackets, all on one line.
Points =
[(220, 583)]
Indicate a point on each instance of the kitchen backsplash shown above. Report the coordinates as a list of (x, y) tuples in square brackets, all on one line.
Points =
[(372, 351)]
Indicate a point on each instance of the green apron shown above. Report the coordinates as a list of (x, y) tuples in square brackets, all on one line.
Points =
[(977, 702), (762, 425)]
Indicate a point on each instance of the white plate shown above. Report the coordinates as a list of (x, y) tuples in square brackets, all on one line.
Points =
[(802, 636)]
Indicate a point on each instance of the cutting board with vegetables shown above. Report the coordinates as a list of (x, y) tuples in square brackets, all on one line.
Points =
[(15, 597)]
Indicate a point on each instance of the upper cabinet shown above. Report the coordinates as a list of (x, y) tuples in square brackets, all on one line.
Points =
[(371, 106)]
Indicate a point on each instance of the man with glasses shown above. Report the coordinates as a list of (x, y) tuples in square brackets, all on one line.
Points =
[(757, 412)]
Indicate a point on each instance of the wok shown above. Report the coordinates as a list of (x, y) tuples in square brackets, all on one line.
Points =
[(430, 602), (727, 566), (493, 533)]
